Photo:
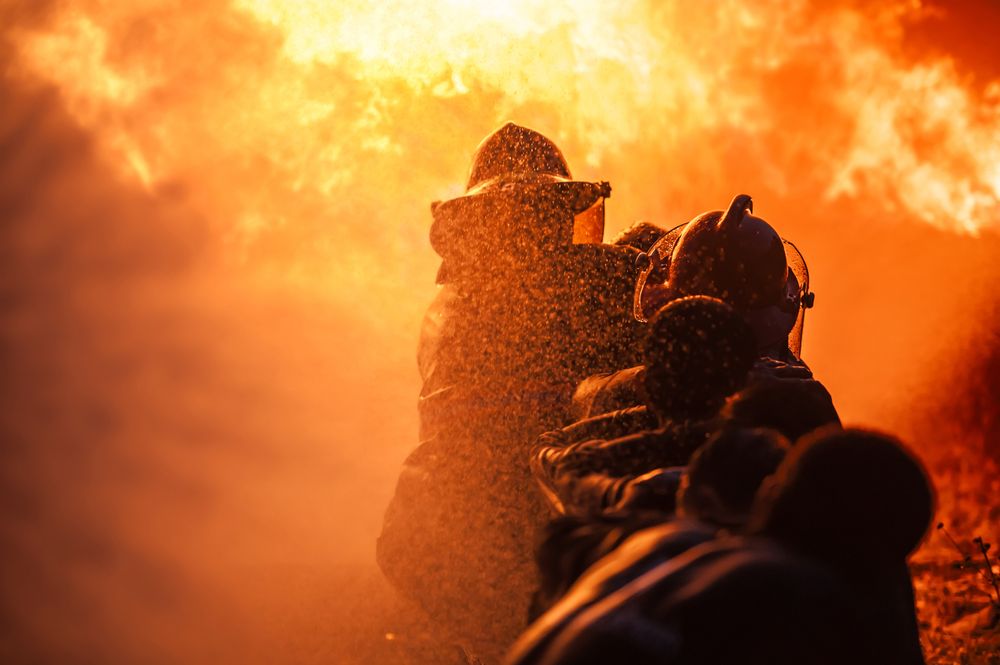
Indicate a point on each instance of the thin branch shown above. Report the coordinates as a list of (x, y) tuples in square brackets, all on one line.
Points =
[(965, 557), (984, 547)]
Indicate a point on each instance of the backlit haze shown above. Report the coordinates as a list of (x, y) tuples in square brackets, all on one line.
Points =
[(215, 260)]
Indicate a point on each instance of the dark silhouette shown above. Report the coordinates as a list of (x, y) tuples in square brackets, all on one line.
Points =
[(529, 305), (635, 552), (723, 476), (739, 258), (716, 489), (698, 351), (793, 407), (641, 235), (731, 255), (822, 580)]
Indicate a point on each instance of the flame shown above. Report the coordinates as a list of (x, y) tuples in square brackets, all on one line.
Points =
[(310, 137), (324, 102), (921, 140)]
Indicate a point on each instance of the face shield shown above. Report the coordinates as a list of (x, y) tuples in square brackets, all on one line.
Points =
[(803, 297), (585, 200), (651, 287), (771, 324)]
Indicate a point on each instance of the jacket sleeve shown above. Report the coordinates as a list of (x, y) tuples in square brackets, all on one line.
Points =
[(610, 391), (561, 459)]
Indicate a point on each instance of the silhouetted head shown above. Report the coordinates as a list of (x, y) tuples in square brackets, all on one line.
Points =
[(698, 351), (854, 497), (642, 236), (515, 153), (740, 259), (724, 475), (792, 407), (520, 200)]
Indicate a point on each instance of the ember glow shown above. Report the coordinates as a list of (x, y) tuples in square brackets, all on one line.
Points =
[(311, 136), (261, 171), (315, 89)]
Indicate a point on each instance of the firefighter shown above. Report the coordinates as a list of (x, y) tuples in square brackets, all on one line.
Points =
[(698, 352), (821, 579), (530, 302), (736, 257), (715, 490), (523, 267)]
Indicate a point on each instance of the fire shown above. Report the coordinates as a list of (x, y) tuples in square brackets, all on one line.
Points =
[(313, 135), (926, 131), (314, 101), (310, 136)]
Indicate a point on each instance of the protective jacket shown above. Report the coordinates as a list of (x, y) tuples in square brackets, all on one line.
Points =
[(584, 476), (529, 304), (745, 600)]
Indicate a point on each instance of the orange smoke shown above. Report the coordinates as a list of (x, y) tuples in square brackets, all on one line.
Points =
[(217, 218), (313, 135), (310, 93)]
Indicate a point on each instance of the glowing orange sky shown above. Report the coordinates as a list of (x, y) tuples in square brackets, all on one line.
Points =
[(217, 257), (313, 135), (325, 97)]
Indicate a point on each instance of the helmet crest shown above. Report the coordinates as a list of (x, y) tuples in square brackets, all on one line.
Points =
[(741, 204)]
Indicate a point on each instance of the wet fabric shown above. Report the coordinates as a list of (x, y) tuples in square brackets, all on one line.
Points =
[(654, 490), (612, 391), (548, 322), (502, 347), (733, 600), (609, 425), (586, 477), (625, 553), (607, 392), (793, 407), (572, 543), (457, 540), (823, 580)]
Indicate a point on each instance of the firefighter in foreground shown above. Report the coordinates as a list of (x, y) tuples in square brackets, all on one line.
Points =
[(530, 303), (699, 351), (820, 576), (819, 572)]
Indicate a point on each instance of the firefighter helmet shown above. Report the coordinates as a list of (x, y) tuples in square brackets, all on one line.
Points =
[(738, 258), (515, 153), (518, 169)]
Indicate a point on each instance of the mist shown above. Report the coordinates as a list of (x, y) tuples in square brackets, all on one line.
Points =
[(215, 260)]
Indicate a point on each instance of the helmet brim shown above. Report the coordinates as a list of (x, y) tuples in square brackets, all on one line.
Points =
[(575, 195)]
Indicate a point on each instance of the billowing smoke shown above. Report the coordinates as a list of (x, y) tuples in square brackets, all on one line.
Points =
[(182, 438), (214, 220)]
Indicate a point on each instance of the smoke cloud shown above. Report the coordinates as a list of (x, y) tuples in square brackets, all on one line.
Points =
[(215, 259)]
